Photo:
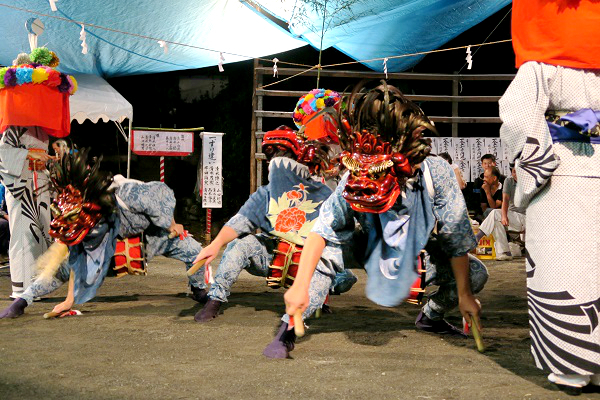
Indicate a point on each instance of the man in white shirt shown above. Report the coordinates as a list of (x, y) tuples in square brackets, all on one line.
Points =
[(507, 217)]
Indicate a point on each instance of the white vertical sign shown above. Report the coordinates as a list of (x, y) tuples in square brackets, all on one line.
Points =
[(477, 148), (494, 147), (465, 169), (445, 146), (504, 167), (476, 169), (462, 150), (434, 144), (212, 162), (505, 152)]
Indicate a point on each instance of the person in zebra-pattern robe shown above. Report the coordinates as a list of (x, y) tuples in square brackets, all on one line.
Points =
[(550, 115), (28, 209)]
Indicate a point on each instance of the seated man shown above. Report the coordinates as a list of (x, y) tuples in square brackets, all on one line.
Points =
[(285, 210), (508, 217), (491, 191), (474, 201), (87, 219)]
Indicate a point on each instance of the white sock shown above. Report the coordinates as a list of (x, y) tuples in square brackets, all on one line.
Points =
[(573, 380)]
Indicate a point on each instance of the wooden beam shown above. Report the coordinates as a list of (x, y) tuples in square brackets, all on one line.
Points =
[(459, 120), (378, 75), (413, 97), (467, 120), (253, 129)]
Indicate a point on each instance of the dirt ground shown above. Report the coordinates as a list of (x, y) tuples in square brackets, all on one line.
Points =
[(138, 340)]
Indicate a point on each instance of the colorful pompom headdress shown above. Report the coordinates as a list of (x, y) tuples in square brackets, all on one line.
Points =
[(381, 133), (34, 93), (311, 118)]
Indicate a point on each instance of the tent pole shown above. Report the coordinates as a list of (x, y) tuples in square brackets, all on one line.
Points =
[(129, 148)]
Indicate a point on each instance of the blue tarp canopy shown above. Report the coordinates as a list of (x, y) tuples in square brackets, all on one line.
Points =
[(369, 29), (204, 28), (196, 32)]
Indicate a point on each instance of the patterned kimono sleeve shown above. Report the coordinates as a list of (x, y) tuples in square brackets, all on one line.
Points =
[(155, 200), (253, 214), (523, 105), (336, 225), (336, 218), (241, 225), (454, 228), (12, 154)]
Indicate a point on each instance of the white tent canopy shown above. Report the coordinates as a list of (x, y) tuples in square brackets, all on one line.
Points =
[(95, 99)]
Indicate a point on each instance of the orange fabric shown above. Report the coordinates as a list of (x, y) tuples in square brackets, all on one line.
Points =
[(557, 32), (35, 105), (320, 127)]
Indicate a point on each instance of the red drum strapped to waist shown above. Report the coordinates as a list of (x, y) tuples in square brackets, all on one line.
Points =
[(417, 290), (130, 257), (284, 267), (34, 164)]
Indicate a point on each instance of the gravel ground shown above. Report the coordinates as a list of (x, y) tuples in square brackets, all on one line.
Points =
[(138, 340)]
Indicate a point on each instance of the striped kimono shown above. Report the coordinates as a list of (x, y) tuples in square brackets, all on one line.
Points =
[(29, 212)]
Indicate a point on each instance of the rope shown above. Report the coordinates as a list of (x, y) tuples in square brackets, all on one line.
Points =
[(488, 36), (142, 36), (309, 68)]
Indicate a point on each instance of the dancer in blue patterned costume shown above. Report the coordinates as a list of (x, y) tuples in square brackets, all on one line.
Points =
[(286, 208), (398, 194), (140, 207)]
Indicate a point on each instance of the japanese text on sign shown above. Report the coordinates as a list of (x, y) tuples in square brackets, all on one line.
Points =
[(162, 143), (466, 153), (212, 182)]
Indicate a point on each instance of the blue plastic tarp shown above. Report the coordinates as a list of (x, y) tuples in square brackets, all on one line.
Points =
[(362, 29), (226, 26), (369, 29)]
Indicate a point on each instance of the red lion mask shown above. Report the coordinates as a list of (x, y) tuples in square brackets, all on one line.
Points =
[(374, 171), (72, 217)]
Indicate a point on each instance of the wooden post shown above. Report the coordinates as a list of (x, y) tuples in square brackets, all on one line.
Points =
[(455, 104), (253, 131)]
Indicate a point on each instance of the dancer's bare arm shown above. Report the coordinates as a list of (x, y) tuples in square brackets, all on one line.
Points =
[(469, 307), (296, 298), (211, 251)]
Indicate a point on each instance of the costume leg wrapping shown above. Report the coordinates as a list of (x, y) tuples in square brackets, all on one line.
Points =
[(41, 287), (184, 250), (317, 293), (446, 297), (249, 253)]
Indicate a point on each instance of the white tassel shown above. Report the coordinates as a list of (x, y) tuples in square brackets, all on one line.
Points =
[(208, 275), (469, 58), (163, 44), (82, 34), (53, 4), (385, 60), (221, 59), (275, 71)]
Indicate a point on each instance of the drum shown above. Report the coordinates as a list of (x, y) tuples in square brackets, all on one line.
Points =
[(417, 290), (35, 164), (130, 257), (285, 265)]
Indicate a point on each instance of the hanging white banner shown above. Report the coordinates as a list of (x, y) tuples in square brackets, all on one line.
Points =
[(212, 162)]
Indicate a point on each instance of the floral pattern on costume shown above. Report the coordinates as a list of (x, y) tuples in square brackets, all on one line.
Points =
[(288, 214)]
